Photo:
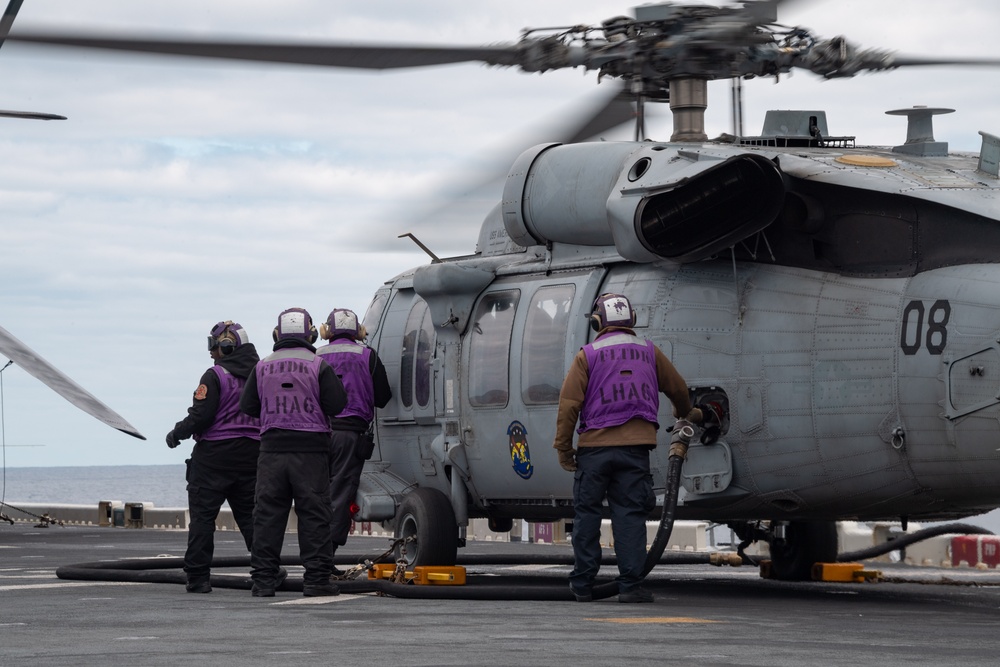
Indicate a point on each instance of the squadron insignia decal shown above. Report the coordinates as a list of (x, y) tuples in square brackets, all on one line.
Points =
[(520, 457)]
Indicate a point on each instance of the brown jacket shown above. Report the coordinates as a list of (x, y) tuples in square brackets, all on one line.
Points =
[(633, 432)]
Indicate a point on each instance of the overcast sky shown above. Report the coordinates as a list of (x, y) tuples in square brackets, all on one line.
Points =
[(180, 192)]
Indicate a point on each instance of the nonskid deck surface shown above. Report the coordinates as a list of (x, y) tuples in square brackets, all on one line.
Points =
[(702, 615)]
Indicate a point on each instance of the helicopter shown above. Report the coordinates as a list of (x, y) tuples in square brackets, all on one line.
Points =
[(833, 305), (17, 351)]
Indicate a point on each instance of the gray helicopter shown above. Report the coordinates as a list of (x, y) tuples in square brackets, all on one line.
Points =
[(835, 309)]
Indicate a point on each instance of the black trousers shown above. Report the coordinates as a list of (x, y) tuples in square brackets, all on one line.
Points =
[(284, 478), (345, 476), (208, 489)]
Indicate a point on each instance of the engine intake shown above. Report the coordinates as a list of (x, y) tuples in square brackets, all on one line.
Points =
[(651, 201)]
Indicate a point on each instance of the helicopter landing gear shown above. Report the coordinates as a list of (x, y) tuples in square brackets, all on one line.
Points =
[(797, 545), (426, 516)]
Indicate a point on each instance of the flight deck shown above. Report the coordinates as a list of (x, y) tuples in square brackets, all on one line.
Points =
[(702, 615)]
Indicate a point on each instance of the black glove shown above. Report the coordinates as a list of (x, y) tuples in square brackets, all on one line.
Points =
[(172, 440)]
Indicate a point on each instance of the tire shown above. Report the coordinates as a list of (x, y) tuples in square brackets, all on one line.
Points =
[(805, 543), (427, 516)]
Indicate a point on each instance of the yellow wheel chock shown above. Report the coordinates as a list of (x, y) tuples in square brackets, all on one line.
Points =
[(427, 575)]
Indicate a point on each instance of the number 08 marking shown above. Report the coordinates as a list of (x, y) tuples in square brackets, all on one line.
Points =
[(914, 335)]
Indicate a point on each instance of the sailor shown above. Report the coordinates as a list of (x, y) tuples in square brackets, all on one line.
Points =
[(613, 389), (295, 393), (352, 442), (223, 463)]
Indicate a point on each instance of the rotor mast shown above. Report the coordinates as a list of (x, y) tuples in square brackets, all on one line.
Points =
[(688, 101)]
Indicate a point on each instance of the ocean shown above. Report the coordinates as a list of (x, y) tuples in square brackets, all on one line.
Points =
[(161, 485)]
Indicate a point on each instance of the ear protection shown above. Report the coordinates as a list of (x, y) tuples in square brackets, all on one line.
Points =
[(227, 336), (295, 323), (341, 321), (612, 310)]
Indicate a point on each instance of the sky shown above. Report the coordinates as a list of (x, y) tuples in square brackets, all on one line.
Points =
[(182, 192)]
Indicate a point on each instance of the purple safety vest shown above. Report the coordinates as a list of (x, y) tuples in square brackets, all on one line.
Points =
[(288, 385), (622, 383), (352, 362), (229, 421)]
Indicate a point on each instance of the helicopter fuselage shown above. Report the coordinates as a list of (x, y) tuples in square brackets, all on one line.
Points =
[(858, 379)]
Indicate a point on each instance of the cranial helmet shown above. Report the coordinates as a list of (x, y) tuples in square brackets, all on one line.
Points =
[(227, 336), (340, 322), (295, 323), (612, 310)]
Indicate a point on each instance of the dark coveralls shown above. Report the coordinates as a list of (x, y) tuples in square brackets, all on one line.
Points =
[(367, 385), (294, 393), (223, 465)]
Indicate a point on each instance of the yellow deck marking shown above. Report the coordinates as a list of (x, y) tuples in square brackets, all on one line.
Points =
[(653, 619)]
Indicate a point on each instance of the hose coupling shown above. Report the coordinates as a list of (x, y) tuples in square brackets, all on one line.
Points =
[(719, 559), (681, 435)]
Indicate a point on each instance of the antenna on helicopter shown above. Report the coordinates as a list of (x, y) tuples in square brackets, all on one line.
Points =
[(434, 258)]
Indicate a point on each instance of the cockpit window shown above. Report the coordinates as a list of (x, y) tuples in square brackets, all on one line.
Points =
[(489, 349), (374, 312), (425, 351), (543, 349)]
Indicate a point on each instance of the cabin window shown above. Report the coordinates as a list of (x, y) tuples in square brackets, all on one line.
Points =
[(544, 345), (374, 312), (489, 349), (422, 367), (414, 367)]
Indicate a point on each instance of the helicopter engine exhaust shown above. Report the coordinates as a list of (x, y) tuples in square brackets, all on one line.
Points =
[(651, 201)]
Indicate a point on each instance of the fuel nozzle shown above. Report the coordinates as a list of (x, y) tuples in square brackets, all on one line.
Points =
[(681, 435)]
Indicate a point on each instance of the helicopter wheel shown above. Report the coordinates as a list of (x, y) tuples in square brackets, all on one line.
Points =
[(805, 543), (427, 516)]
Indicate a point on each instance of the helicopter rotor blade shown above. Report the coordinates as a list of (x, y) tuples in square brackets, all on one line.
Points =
[(470, 196), (7, 20), (355, 56), (617, 109), (59, 382), (31, 115), (914, 61)]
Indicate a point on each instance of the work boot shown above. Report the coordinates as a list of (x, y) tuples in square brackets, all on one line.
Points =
[(582, 595), (321, 590), (635, 595), (280, 577), (259, 591), (199, 586), (337, 573)]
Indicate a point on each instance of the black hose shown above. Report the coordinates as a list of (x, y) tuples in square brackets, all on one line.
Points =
[(907, 540), (169, 570)]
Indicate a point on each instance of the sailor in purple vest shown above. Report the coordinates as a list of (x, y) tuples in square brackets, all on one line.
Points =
[(367, 385), (295, 393), (223, 463), (613, 389)]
